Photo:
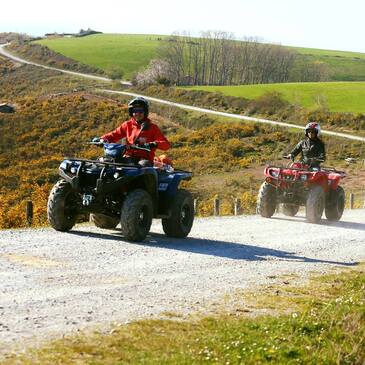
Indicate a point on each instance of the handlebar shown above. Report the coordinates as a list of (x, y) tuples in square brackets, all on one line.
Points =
[(309, 160), (135, 147), (127, 146), (313, 159), (96, 143)]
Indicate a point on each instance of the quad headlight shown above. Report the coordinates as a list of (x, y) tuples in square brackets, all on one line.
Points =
[(303, 177), (274, 173), (73, 170)]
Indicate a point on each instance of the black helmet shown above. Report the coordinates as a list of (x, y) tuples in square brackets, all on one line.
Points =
[(138, 101)]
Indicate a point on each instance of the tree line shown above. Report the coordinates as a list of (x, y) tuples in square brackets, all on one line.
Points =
[(216, 58)]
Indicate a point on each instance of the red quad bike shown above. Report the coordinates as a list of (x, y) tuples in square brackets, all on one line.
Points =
[(298, 185)]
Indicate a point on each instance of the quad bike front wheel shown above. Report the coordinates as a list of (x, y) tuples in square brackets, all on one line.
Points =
[(136, 215), (335, 204), (315, 204), (104, 221), (290, 209), (182, 215), (266, 200), (61, 211)]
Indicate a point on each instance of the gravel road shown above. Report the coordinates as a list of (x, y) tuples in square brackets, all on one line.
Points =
[(54, 283)]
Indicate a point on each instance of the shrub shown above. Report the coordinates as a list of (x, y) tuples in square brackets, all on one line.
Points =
[(267, 104), (115, 73)]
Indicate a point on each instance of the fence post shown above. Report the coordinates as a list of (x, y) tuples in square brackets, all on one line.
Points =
[(237, 206), (352, 200), (195, 206), (29, 212), (216, 206)]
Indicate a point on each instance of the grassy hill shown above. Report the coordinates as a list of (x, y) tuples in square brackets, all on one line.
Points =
[(55, 114), (131, 52), (336, 96), (344, 66), (269, 105)]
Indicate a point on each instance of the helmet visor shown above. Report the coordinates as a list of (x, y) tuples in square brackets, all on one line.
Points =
[(138, 110), (311, 131)]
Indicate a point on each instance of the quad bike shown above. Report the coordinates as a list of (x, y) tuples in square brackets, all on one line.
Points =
[(113, 191), (297, 185)]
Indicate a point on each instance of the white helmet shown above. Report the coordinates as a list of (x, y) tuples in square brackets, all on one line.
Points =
[(313, 126)]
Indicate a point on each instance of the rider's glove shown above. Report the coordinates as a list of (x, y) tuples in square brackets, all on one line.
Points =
[(150, 145), (307, 160), (99, 140), (289, 156)]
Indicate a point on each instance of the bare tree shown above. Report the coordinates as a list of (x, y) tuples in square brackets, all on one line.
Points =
[(314, 71), (216, 58)]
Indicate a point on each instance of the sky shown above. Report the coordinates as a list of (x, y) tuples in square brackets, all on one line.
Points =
[(324, 24)]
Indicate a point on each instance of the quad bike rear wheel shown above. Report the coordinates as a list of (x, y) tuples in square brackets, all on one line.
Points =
[(61, 209), (104, 221), (290, 209), (182, 215), (335, 204), (315, 204), (136, 215), (266, 200)]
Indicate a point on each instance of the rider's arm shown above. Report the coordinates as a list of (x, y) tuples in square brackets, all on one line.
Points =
[(297, 149), (160, 139), (322, 153), (116, 135)]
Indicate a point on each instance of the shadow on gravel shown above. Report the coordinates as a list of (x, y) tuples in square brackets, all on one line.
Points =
[(324, 222), (111, 235), (230, 250)]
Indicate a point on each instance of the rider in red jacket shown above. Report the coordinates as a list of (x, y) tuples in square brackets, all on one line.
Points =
[(139, 130)]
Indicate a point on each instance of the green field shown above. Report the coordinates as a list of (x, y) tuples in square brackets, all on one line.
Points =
[(329, 53), (336, 96), (131, 52), (128, 52), (343, 66)]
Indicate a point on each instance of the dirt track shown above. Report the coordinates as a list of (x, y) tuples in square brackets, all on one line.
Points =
[(54, 283)]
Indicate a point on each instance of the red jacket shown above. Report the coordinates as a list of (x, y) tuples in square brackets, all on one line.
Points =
[(131, 130)]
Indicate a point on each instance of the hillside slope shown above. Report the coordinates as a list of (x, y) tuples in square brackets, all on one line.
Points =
[(128, 53), (346, 97), (226, 158), (131, 52), (343, 65)]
